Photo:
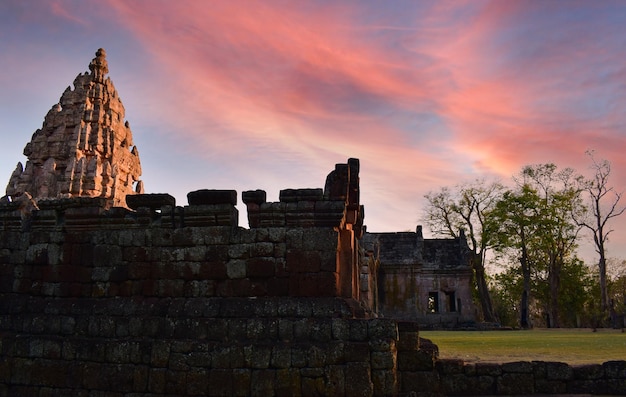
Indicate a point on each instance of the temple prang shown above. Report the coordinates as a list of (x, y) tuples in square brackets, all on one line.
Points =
[(84, 148)]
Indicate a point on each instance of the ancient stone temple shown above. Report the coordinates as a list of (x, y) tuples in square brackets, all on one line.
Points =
[(151, 298), (84, 148)]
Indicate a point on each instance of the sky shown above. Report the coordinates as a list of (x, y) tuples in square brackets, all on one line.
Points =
[(272, 94)]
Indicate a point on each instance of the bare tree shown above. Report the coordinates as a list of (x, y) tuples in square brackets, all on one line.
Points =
[(464, 208), (604, 205)]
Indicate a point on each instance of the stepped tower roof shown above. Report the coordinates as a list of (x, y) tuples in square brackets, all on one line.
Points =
[(84, 148)]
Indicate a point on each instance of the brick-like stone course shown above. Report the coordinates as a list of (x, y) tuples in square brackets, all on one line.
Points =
[(199, 346), (152, 260), (454, 377)]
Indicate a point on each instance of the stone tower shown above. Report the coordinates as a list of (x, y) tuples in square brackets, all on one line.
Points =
[(84, 148)]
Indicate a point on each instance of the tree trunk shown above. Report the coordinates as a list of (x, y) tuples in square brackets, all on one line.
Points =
[(523, 322), (554, 279), (483, 289), (524, 316), (604, 295), (599, 241)]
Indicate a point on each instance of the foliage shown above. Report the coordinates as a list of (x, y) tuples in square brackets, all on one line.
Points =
[(575, 295), (533, 230), (579, 307), (533, 223), (506, 289), (617, 292), (514, 222), (451, 212)]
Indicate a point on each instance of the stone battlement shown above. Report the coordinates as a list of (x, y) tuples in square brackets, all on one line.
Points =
[(77, 247)]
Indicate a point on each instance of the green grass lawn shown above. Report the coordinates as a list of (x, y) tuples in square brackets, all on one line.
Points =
[(572, 346)]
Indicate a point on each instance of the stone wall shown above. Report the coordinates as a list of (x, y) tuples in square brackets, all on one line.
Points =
[(529, 378), (194, 346), (168, 300), (304, 245)]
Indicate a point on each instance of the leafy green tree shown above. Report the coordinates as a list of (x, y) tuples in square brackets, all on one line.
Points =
[(513, 224), (560, 201), (576, 295), (577, 282), (535, 220), (593, 314), (464, 208), (506, 289), (616, 271)]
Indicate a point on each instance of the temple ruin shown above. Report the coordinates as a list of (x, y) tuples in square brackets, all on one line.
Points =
[(427, 281), (85, 149), (108, 291)]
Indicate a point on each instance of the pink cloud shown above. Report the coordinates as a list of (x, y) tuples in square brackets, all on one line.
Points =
[(518, 100), (299, 79), (312, 82)]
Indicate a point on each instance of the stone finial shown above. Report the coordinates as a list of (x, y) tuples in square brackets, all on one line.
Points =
[(99, 66)]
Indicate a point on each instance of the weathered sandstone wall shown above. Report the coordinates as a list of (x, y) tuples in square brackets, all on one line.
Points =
[(168, 300)]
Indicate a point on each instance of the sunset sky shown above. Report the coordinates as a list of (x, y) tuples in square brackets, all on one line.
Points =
[(271, 94)]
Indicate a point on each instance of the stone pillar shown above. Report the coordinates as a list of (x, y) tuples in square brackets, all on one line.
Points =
[(345, 262)]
